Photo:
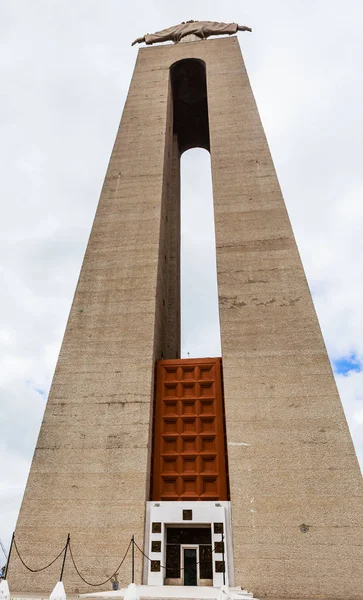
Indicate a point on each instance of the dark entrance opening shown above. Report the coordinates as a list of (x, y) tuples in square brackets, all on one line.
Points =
[(190, 566), (189, 556)]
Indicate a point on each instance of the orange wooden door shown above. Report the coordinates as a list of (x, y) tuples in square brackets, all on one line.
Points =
[(189, 456)]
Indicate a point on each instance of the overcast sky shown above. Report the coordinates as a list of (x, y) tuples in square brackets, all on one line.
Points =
[(65, 67)]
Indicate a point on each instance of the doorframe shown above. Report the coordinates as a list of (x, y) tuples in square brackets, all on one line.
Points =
[(165, 514), (189, 547)]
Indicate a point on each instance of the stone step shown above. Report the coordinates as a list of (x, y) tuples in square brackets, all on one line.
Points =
[(172, 592), (239, 590), (145, 592)]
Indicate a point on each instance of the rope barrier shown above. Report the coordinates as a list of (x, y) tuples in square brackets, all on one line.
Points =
[(43, 568), (109, 578)]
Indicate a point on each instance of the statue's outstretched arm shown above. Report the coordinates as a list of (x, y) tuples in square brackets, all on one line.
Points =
[(138, 41), (243, 28)]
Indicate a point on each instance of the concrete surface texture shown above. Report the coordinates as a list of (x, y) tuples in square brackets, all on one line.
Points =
[(145, 592), (175, 592), (296, 487)]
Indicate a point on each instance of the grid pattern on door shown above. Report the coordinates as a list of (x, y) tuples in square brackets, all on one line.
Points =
[(189, 461)]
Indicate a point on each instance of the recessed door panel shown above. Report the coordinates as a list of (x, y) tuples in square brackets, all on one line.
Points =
[(189, 449)]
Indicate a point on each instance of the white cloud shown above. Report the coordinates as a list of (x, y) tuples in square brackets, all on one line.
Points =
[(14, 472), (350, 387)]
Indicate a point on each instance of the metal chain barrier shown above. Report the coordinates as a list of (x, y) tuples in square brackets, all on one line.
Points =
[(68, 546), (109, 578), (43, 568), (161, 567)]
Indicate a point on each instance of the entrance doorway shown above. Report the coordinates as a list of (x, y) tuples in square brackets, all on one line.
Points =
[(190, 565), (189, 556)]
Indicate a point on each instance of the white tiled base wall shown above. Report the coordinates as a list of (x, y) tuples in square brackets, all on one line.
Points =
[(171, 513)]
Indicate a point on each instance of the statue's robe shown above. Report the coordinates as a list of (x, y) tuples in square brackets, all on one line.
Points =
[(202, 29)]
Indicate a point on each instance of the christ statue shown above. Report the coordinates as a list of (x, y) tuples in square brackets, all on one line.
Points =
[(201, 29)]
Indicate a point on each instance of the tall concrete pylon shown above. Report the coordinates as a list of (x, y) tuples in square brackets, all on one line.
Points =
[(291, 511)]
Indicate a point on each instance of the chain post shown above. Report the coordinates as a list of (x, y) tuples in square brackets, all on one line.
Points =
[(64, 558), (8, 561), (224, 564), (133, 560)]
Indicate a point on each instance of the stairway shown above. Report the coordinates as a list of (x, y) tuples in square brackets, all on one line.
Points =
[(175, 592)]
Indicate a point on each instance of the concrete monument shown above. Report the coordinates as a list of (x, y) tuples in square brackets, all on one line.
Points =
[(237, 470)]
